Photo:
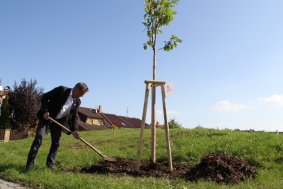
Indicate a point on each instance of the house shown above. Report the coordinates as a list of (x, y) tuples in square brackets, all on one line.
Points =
[(95, 119), (159, 125)]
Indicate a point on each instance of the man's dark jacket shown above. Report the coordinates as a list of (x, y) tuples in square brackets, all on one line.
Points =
[(54, 100)]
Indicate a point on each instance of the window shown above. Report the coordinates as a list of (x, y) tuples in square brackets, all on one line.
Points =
[(94, 121), (97, 122)]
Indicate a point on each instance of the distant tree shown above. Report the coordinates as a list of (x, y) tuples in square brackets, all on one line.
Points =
[(25, 100), (173, 124), (199, 127), (5, 115)]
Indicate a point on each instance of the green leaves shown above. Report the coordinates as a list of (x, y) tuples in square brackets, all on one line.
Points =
[(159, 13), (148, 43), (144, 46), (172, 43)]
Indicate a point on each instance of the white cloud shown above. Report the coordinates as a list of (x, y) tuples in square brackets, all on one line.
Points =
[(225, 106), (274, 100)]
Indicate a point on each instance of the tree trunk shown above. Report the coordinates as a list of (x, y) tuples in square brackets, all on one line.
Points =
[(153, 128)]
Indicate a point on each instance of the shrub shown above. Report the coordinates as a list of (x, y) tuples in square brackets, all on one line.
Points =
[(5, 115), (25, 102), (174, 124)]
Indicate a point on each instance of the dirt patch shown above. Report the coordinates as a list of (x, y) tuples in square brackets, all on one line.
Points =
[(147, 169), (221, 168)]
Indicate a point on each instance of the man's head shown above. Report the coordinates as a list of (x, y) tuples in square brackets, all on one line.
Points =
[(7, 90), (79, 90)]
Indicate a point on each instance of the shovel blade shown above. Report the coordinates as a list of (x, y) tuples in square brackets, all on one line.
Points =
[(110, 159)]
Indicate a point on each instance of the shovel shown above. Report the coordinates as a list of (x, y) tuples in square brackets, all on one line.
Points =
[(106, 158)]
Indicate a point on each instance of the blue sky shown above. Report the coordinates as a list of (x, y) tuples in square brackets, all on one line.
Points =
[(227, 72)]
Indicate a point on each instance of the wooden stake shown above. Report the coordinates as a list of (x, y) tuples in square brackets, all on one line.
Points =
[(153, 128), (155, 82), (153, 85), (169, 156), (138, 160)]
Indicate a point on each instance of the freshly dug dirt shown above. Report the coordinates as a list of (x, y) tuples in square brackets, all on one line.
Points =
[(147, 169), (221, 168), (218, 167)]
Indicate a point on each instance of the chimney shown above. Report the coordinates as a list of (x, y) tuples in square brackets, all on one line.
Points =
[(99, 109)]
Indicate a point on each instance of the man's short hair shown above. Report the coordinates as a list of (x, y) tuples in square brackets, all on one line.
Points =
[(82, 87), (7, 87)]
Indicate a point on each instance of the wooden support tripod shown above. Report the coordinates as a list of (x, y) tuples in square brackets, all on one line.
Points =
[(151, 85)]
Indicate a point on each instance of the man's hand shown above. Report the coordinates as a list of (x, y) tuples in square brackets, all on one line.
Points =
[(76, 134), (46, 115)]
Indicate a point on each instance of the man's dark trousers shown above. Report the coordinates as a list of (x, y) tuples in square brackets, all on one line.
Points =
[(55, 142)]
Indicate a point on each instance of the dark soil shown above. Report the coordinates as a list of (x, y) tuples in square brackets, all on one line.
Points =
[(221, 168), (218, 167), (147, 169)]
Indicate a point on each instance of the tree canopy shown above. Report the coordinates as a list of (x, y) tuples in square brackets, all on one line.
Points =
[(25, 102)]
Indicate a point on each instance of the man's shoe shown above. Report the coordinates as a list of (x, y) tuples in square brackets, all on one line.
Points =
[(29, 166), (52, 167)]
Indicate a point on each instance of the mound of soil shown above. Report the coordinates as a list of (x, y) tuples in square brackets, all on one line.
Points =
[(221, 168), (218, 167)]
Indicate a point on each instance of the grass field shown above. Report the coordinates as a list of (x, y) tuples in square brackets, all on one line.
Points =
[(263, 150)]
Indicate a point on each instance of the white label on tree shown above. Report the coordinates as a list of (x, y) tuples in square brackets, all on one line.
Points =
[(169, 88)]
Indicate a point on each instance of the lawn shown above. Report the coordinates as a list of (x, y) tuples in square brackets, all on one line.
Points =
[(263, 150)]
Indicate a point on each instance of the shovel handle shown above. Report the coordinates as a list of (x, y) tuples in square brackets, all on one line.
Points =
[(62, 126), (84, 141)]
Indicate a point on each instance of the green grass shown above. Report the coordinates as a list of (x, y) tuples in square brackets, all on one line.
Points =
[(263, 150)]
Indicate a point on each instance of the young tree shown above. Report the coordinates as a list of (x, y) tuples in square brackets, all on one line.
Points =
[(158, 13), (25, 100)]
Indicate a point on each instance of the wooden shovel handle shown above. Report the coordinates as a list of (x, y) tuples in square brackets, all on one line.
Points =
[(84, 141)]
